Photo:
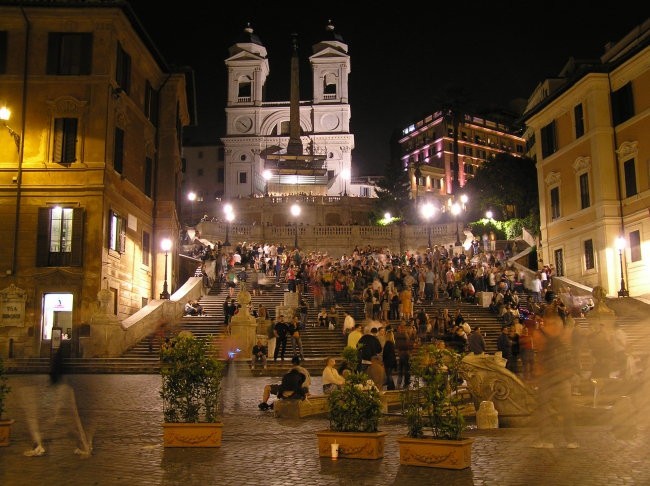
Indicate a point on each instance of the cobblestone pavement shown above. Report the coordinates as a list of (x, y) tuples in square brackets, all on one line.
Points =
[(122, 416)]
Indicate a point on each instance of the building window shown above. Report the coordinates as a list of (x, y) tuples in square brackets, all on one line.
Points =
[(59, 240), (123, 69), (151, 104), (635, 246), (629, 171), (559, 263), (116, 232), (584, 191), (69, 53), (65, 140), (622, 104), (329, 84), (3, 52), (148, 176), (549, 140), (579, 120), (146, 248), (118, 155), (589, 255), (243, 177), (555, 203), (220, 175)]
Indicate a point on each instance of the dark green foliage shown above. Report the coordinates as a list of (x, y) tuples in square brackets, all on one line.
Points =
[(507, 184), (432, 407), (356, 406), (191, 381)]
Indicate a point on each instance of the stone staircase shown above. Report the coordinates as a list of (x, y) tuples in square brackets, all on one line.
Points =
[(318, 342)]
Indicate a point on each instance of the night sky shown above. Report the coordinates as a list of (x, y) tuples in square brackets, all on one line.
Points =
[(403, 58)]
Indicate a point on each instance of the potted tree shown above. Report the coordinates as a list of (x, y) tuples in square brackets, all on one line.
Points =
[(354, 412), (5, 424), (191, 386), (433, 410)]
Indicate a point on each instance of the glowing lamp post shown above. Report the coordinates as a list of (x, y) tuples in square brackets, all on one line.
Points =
[(5, 114), (428, 210), (620, 246), (165, 245), (346, 175), (192, 197), (267, 174), (489, 214), (295, 212), (230, 215)]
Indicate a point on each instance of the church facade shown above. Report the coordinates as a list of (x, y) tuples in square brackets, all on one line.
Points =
[(258, 159)]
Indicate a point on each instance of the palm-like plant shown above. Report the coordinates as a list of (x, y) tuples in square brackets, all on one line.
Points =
[(433, 407), (191, 381), (355, 406)]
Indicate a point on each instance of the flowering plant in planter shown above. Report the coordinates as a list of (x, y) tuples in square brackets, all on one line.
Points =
[(356, 406)]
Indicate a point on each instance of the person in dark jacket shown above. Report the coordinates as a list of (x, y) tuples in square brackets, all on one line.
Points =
[(504, 344), (476, 342), (368, 346), (390, 359)]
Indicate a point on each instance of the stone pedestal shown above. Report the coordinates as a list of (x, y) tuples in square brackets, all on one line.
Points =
[(243, 326), (484, 298), (106, 334), (487, 416)]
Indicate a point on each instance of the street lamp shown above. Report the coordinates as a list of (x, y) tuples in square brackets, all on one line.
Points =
[(5, 114), (620, 245), (165, 245), (428, 210), (192, 197), (456, 210), (230, 215), (489, 214), (346, 175), (295, 211), (267, 174)]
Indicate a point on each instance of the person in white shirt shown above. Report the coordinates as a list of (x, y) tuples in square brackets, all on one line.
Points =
[(348, 323), (331, 377)]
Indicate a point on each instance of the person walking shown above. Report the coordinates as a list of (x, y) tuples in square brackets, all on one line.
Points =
[(281, 331), (296, 340), (555, 362), (389, 357), (504, 344)]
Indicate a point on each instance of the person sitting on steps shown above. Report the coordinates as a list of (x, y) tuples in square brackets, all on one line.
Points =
[(294, 385)]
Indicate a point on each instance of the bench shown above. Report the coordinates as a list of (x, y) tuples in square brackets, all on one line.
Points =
[(315, 405)]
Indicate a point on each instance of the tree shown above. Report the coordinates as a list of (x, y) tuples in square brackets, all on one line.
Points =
[(507, 184), (393, 189)]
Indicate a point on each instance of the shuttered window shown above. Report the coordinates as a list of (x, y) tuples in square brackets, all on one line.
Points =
[(59, 238), (65, 140), (69, 53)]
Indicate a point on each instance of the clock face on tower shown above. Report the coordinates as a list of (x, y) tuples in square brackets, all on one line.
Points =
[(243, 124)]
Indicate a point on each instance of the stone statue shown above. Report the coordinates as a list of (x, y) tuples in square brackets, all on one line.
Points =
[(489, 380), (600, 307)]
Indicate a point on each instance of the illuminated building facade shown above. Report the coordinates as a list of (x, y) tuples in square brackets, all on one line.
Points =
[(588, 131), (90, 165)]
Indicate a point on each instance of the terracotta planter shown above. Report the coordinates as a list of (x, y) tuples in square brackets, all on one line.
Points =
[(353, 445), (192, 434), (447, 454), (5, 431)]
